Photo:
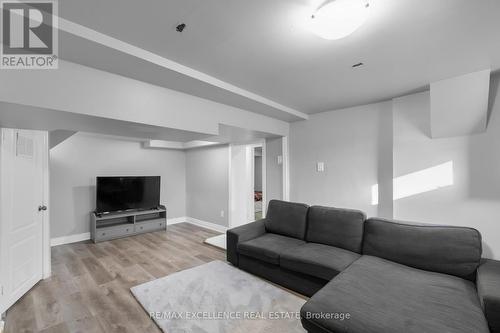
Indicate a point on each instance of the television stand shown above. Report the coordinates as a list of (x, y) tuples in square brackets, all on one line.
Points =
[(123, 224)]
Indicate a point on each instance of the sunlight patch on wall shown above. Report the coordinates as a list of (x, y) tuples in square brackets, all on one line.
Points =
[(422, 181), (375, 194)]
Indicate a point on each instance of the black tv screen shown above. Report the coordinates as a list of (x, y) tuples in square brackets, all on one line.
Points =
[(127, 193)]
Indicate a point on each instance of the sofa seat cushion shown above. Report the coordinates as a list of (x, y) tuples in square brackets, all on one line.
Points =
[(319, 260), (268, 247), (383, 296)]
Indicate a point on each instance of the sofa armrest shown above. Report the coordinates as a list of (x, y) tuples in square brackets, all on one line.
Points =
[(241, 234), (488, 288)]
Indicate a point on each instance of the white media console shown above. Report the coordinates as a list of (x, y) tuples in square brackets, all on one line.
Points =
[(116, 225)]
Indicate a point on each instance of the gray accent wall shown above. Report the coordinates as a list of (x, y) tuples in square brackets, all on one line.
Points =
[(207, 184), (274, 171), (75, 163)]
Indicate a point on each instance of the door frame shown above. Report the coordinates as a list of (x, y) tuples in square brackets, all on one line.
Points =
[(6, 303), (250, 164), (46, 266)]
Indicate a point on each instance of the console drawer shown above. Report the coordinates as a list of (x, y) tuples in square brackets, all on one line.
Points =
[(103, 234), (152, 225)]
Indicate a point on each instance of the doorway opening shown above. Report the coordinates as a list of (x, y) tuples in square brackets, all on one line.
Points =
[(247, 186)]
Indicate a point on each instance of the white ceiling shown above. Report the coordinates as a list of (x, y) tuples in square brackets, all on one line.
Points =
[(89, 53), (261, 46)]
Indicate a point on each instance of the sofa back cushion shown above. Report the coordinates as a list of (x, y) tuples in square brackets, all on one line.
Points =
[(286, 218), (444, 249), (336, 226)]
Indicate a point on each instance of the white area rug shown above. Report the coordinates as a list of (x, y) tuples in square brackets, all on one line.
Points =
[(217, 241), (219, 298)]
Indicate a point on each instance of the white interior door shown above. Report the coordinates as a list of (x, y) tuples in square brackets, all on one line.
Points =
[(22, 178)]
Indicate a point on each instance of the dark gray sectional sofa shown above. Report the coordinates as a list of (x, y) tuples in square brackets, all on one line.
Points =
[(372, 275)]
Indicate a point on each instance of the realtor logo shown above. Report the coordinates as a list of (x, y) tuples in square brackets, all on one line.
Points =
[(29, 34)]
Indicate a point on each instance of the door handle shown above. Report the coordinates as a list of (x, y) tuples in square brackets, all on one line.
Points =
[(40, 208)]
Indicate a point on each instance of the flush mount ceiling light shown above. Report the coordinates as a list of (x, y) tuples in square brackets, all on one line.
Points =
[(339, 18)]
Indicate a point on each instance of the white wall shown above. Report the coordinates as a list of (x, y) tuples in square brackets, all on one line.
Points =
[(76, 162), (207, 184), (474, 198), (355, 145), (372, 144)]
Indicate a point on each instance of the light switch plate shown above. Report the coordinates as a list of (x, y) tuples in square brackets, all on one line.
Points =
[(280, 159), (320, 166)]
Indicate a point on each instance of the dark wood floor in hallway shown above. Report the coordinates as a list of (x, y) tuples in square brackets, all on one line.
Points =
[(89, 287)]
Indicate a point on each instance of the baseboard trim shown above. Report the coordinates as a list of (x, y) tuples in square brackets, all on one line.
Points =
[(208, 225), (176, 220), (70, 239), (86, 235)]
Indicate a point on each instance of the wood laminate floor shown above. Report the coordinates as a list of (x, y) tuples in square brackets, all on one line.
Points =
[(89, 288)]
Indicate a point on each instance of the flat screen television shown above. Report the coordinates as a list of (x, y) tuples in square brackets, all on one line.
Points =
[(127, 193)]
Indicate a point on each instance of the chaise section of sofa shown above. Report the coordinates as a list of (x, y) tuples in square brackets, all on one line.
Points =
[(488, 288), (379, 295), (411, 278)]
